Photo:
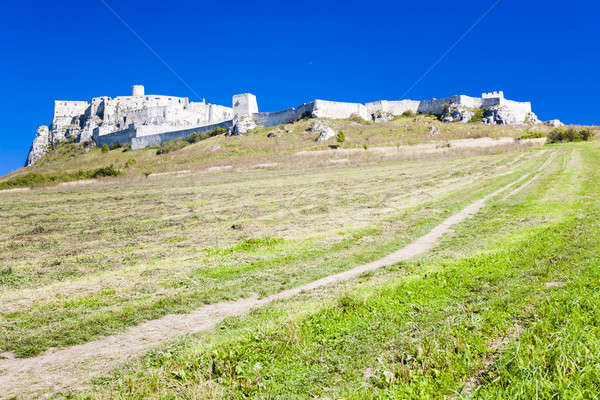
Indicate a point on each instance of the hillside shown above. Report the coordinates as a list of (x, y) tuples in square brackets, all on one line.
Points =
[(256, 149), (403, 264)]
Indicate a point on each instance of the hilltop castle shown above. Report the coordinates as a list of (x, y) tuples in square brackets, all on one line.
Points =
[(148, 120)]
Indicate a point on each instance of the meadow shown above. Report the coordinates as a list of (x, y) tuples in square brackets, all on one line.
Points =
[(503, 307)]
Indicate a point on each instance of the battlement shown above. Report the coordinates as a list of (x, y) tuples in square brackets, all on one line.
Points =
[(493, 95)]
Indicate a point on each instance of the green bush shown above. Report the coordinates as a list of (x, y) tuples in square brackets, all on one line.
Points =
[(172, 145), (104, 172), (408, 113), (33, 179), (105, 148), (341, 137), (478, 116), (533, 135), (570, 134)]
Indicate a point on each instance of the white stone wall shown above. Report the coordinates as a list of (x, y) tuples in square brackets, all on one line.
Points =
[(339, 110), (393, 107), (518, 109)]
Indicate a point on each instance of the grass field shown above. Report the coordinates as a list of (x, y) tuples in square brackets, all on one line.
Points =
[(504, 307), (514, 315)]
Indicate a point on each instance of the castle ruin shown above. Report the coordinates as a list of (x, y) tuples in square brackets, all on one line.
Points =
[(149, 120)]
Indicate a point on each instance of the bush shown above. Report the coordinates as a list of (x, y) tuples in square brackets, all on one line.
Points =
[(105, 148), (478, 116), (105, 171), (130, 162), (33, 179), (570, 134), (408, 113), (533, 135), (172, 145), (341, 137)]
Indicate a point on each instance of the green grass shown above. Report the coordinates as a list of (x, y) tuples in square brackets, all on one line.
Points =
[(34, 179), (423, 328), (91, 261)]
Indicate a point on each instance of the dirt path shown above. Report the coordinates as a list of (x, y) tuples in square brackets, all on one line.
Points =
[(72, 367)]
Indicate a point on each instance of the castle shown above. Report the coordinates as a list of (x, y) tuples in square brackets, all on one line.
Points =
[(148, 120)]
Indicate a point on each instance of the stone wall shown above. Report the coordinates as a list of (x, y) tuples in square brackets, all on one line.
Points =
[(143, 141), (393, 107), (284, 116), (65, 111), (339, 110), (519, 109), (118, 137)]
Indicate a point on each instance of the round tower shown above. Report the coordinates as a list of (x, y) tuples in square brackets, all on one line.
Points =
[(137, 90)]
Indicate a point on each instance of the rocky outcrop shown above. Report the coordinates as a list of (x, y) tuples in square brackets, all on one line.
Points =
[(243, 125), (382, 117), (39, 146), (458, 113), (555, 123), (532, 119), (323, 129)]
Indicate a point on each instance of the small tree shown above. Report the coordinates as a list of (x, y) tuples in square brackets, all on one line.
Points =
[(341, 137), (105, 148)]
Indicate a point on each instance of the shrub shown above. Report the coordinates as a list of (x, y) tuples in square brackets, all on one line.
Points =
[(570, 134), (33, 179), (105, 148), (105, 171), (478, 116), (130, 162), (341, 137), (114, 146), (408, 113), (198, 136), (172, 145), (533, 135)]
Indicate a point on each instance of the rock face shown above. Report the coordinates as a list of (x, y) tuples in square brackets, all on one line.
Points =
[(39, 146), (382, 117), (555, 123), (531, 118), (323, 130), (458, 113), (244, 125), (499, 115)]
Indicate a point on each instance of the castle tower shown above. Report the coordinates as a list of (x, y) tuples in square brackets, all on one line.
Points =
[(244, 104), (137, 90)]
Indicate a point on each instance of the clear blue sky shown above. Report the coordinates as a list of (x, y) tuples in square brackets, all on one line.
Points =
[(288, 53)]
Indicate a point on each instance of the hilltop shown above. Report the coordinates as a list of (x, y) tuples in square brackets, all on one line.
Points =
[(282, 146), (141, 120)]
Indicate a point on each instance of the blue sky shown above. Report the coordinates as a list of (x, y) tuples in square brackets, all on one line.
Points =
[(288, 53)]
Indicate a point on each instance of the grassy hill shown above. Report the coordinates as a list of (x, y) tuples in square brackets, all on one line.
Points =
[(503, 306), (255, 149)]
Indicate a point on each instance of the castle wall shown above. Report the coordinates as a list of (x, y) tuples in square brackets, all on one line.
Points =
[(519, 109), (436, 106), (65, 111), (393, 107), (339, 110), (140, 142), (118, 137)]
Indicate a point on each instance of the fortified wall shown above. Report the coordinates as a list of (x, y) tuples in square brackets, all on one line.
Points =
[(149, 120)]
